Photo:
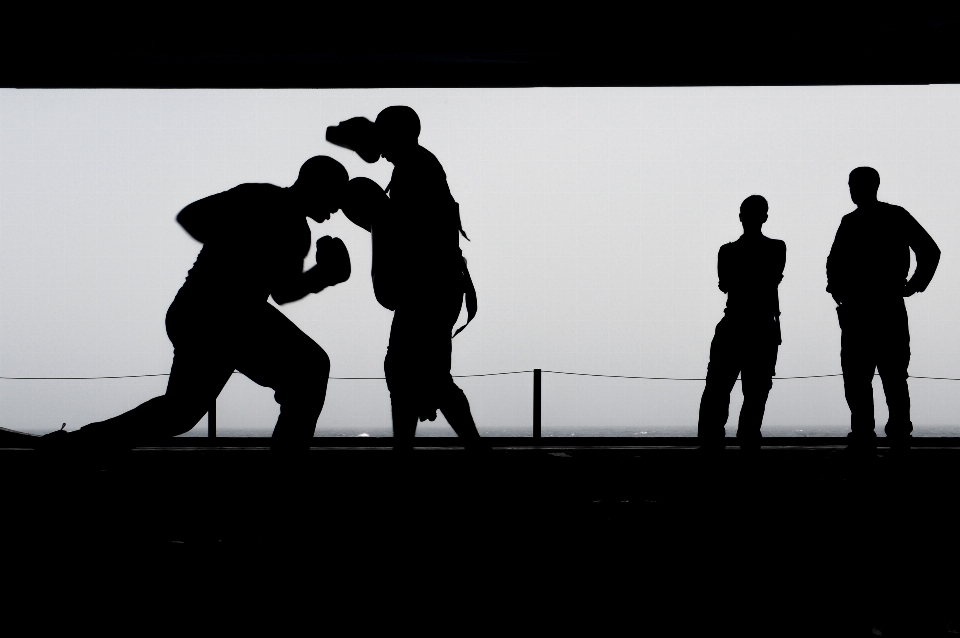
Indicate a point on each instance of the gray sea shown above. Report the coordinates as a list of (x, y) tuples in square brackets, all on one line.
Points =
[(428, 429)]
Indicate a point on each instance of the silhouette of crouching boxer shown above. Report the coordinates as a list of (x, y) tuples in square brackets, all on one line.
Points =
[(255, 238), (748, 337)]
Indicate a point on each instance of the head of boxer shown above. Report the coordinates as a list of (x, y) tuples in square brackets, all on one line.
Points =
[(398, 132), (320, 187)]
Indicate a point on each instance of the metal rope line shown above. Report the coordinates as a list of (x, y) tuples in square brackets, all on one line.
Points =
[(167, 374), (490, 374), (125, 376), (455, 376), (809, 376), (464, 376), (622, 376)]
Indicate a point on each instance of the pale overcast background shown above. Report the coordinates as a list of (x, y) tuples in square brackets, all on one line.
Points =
[(595, 217)]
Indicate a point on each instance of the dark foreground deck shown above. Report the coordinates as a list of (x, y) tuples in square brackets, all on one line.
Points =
[(798, 539)]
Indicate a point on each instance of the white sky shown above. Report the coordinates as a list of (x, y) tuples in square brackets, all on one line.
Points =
[(595, 217)]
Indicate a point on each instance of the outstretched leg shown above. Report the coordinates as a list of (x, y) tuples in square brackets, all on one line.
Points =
[(196, 378)]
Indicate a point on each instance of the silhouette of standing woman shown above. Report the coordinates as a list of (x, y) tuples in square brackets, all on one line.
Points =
[(867, 275), (255, 238), (748, 337), (418, 269)]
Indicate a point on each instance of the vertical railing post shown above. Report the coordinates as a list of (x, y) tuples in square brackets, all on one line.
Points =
[(536, 403), (212, 419)]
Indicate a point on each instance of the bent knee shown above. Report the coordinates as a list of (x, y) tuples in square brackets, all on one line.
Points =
[(308, 369), (305, 386)]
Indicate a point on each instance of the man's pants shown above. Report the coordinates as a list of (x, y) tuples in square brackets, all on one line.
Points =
[(209, 344), (875, 337), (748, 349), (417, 365)]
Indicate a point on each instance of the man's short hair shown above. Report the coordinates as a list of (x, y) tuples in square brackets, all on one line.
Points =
[(866, 178), (754, 209), (322, 172), (399, 122)]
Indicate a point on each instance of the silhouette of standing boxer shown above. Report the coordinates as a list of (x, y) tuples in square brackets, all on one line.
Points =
[(418, 269), (867, 275), (748, 337), (255, 238)]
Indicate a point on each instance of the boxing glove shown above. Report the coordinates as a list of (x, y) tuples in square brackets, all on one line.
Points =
[(333, 260), (357, 134), (364, 202)]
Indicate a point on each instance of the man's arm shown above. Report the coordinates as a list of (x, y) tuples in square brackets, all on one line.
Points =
[(202, 218), (836, 264), (333, 267), (296, 288), (928, 256), (781, 260), (723, 268)]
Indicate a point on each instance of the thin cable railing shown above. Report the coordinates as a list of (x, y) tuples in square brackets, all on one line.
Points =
[(167, 374), (537, 385), (485, 374), (806, 376)]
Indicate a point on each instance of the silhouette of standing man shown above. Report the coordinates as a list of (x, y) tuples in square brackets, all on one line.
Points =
[(255, 238), (418, 269), (748, 337), (867, 275)]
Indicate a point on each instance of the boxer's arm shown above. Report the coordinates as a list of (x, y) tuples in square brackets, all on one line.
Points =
[(332, 268), (296, 290), (202, 218)]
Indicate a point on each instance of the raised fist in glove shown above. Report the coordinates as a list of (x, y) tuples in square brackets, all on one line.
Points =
[(333, 261)]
